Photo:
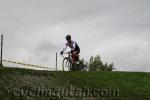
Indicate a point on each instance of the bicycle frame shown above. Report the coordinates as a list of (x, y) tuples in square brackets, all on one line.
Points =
[(69, 55)]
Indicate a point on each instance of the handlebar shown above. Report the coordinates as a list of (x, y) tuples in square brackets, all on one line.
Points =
[(66, 53)]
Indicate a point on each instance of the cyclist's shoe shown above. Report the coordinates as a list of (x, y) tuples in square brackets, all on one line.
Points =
[(74, 67)]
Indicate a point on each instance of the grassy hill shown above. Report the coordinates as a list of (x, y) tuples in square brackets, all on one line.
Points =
[(24, 84)]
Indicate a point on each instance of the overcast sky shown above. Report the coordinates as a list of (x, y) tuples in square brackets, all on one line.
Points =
[(117, 30)]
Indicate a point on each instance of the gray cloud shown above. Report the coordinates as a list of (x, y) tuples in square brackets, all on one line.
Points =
[(118, 30)]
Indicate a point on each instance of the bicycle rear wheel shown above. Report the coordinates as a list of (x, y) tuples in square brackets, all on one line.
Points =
[(66, 64)]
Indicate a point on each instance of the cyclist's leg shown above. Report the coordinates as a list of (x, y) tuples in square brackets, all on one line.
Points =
[(77, 58), (73, 60), (77, 61), (74, 56)]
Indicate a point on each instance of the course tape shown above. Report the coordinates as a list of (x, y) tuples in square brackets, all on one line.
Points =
[(26, 64)]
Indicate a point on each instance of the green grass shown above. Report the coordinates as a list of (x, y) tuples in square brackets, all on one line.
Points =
[(131, 85)]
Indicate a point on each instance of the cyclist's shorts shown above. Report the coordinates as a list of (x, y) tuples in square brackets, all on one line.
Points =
[(78, 51)]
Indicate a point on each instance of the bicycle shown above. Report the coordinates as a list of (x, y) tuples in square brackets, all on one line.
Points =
[(67, 64)]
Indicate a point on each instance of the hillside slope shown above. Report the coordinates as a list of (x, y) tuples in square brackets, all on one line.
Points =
[(24, 84)]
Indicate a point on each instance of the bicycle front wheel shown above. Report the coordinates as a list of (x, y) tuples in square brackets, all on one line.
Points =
[(66, 64)]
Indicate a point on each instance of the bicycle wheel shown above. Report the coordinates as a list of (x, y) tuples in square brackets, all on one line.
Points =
[(66, 64)]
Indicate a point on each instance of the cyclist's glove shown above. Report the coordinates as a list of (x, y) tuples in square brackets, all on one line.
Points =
[(61, 52)]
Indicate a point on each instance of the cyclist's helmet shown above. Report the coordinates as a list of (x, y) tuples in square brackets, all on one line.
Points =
[(68, 37)]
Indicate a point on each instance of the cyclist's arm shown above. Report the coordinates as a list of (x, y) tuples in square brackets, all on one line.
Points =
[(64, 49)]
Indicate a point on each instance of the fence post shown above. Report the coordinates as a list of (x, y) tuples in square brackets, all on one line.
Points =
[(56, 61), (1, 62)]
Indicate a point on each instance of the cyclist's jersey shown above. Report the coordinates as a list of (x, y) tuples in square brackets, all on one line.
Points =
[(73, 45)]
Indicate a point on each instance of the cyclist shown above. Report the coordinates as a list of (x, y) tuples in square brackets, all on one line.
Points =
[(75, 50)]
